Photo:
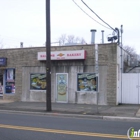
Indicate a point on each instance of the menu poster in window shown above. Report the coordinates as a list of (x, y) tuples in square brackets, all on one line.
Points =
[(38, 82), (10, 75), (62, 87), (87, 82)]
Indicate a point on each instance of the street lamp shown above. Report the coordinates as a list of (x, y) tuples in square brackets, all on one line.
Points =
[(48, 59)]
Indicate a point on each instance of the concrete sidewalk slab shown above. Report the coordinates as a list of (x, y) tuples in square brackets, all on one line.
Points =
[(85, 110), (5, 101)]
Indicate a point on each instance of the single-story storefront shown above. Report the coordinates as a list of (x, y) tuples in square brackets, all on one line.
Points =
[(73, 78)]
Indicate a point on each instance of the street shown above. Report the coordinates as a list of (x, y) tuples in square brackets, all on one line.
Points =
[(43, 127)]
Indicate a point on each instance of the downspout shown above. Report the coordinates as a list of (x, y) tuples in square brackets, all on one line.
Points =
[(121, 60)]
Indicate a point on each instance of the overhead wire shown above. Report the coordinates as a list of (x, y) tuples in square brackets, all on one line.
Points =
[(97, 15), (89, 15)]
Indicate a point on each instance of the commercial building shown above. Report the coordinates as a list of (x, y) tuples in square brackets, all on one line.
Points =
[(73, 77)]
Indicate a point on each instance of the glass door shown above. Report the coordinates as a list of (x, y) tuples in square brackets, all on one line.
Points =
[(10, 81), (1, 84), (61, 87)]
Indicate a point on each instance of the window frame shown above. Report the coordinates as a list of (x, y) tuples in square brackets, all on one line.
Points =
[(97, 81)]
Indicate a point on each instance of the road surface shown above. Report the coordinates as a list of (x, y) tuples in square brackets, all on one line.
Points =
[(43, 127)]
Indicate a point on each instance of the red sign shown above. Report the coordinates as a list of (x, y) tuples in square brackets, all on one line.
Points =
[(64, 55)]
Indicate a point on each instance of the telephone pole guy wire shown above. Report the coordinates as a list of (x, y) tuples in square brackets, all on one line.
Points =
[(89, 15), (97, 15)]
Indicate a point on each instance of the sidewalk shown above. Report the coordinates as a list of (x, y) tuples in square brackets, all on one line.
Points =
[(132, 111)]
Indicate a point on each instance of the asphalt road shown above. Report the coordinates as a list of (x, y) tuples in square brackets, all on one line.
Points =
[(37, 127)]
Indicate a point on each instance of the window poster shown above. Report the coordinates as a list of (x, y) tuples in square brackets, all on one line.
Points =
[(61, 87), (87, 82), (38, 81), (10, 75)]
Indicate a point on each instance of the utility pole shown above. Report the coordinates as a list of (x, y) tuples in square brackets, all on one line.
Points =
[(97, 73), (48, 59), (102, 36)]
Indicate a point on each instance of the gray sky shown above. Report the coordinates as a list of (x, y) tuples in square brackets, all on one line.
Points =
[(24, 20)]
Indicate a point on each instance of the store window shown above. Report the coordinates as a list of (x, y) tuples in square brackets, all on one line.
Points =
[(10, 81), (38, 81), (87, 82)]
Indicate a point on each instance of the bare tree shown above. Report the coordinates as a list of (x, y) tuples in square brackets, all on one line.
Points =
[(133, 54), (130, 50), (70, 39), (83, 41), (62, 39)]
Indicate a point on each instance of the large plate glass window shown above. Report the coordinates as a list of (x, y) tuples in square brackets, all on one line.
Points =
[(38, 81), (87, 82)]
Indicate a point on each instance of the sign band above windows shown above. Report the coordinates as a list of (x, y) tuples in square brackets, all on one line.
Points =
[(64, 55), (3, 61)]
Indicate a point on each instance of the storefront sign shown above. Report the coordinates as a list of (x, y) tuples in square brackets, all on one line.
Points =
[(87, 82), (3, 61), (64, 55)]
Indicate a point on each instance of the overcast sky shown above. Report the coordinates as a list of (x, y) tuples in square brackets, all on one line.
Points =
[(24, 21)]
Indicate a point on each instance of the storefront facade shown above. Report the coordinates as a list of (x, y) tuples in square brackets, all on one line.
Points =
[(73, 78)]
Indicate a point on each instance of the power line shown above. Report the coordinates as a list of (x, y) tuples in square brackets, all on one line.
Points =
[(97, 15), (89, 15)]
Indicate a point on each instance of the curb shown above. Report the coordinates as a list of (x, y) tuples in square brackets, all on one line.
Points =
[(138, 113), (118, 118), (111, 118), (54, 114)]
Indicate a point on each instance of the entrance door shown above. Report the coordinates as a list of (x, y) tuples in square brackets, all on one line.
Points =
[(61, 87), (1, 84)]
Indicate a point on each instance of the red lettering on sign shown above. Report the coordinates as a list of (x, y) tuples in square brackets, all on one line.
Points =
[(42, 55), (52, 55), (74, 54)]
